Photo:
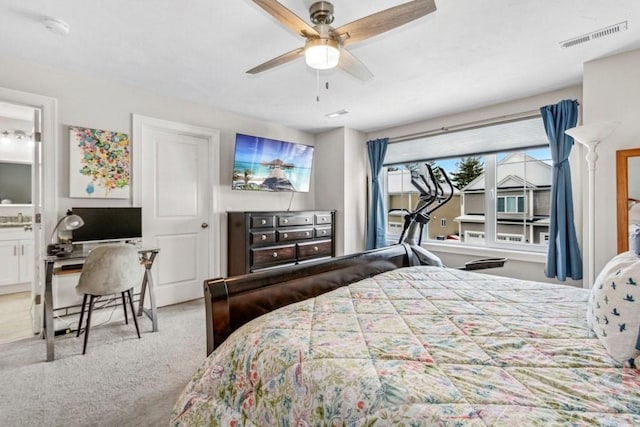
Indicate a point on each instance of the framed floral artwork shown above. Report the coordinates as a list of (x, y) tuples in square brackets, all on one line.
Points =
[(99, 163)]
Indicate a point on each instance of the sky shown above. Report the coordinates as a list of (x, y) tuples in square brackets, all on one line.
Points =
[(449, 165)]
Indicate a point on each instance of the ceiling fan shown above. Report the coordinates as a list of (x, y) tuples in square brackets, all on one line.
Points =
[(325, 46)]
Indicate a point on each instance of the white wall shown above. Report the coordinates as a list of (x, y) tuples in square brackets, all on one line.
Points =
[(356, 168), (531, 266), (328, 169), (341, 184), (611, 92), (96, 103)]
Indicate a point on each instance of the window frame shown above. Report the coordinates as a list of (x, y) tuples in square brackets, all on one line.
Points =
[(500, 241)]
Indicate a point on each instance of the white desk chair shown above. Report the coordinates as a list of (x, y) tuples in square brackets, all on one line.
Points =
[(109, 269)]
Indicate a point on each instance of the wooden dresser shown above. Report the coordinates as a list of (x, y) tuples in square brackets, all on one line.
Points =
[(263, 240)]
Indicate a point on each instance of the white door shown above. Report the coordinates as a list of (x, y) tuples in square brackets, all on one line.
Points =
[(177, 171)]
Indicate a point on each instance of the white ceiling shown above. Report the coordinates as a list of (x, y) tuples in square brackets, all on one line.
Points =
[(468, 54)]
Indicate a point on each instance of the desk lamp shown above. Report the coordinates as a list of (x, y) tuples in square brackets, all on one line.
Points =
[(67, 223)]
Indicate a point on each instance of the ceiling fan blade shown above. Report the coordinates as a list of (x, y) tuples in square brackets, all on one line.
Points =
[(282, 59), (382, 21), (287, 18), (353, 66)]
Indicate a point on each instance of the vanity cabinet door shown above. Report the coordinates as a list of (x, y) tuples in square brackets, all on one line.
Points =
[(25, 247), (9, 262)]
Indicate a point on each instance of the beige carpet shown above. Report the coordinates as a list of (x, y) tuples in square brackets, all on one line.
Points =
[(15, 317), (121, 381)]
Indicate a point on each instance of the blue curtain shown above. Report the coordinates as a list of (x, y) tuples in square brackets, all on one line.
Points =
[(563, 255), (376, 224)]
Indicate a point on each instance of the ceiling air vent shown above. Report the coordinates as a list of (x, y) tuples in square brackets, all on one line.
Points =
[(598, 34), (337, 113)]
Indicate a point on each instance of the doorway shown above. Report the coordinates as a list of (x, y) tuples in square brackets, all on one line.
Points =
[(40, 214), (18, 172)]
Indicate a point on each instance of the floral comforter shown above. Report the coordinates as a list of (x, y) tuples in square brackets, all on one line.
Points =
[(417, 346)]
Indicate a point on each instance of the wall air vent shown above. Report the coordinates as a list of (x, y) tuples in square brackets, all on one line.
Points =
[(598, 34)]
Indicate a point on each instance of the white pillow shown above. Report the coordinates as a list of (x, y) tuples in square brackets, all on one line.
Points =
[(634, 238), (613, 311)]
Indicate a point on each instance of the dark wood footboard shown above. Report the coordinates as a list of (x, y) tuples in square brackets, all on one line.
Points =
[(232, 302)]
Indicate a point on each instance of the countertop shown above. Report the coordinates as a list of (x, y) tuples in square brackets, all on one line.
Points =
[(14, 224)]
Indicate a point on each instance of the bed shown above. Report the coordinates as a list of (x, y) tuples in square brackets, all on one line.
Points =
[(377, 339)]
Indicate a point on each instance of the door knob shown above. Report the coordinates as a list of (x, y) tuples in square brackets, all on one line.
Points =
[(204, 225)]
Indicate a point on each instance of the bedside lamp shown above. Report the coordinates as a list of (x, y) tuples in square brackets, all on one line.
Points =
[(67, 223)]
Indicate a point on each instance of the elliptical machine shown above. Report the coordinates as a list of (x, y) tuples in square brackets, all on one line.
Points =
[(432, 197)]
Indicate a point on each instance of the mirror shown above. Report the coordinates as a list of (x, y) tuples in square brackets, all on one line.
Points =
[(16, 154), (628, 190), (16, 183)]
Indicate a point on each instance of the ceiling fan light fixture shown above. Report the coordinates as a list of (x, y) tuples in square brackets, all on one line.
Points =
[(322, 54)]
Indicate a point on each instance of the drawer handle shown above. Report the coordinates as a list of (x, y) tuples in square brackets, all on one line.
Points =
[(263, 222), (286, 221), (275, 255), (285, 235), (307, 233), (263, 237), (315, 248), (324, 232), (306, 220)]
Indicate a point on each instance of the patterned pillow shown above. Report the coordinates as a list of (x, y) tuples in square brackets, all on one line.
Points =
[(634, 239), (614, 306)]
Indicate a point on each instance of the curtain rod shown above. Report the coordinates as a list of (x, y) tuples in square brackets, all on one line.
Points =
[(466, 126), (469, 125)]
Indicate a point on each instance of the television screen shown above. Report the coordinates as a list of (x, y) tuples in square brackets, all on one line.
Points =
[(102, 224), (263, 164)]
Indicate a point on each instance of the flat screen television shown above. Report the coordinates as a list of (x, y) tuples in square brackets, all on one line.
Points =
[(263, 164), (103, 224)]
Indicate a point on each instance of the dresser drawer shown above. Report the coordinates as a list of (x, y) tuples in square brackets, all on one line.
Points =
[(274, 254), (314, 249), (259, 221), (322, 232), (323, 219), (266, 236), (295, 234), (290, 220)]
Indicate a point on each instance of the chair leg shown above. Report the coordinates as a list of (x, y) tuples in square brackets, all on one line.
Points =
[(124, 306), (135, 320), (84, 303), (86, 332)]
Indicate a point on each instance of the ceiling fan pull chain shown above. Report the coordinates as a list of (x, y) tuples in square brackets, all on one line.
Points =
[(317, 85)]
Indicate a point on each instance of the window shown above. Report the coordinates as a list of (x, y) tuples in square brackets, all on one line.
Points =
[(510, 204), (499, 198)]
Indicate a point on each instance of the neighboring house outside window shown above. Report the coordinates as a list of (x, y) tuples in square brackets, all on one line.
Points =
[(501, 196), (523, 192)]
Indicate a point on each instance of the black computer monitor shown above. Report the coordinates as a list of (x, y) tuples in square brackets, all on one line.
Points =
[(102, 224)]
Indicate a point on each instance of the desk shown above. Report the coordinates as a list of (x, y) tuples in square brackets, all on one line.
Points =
[(147, 256)]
